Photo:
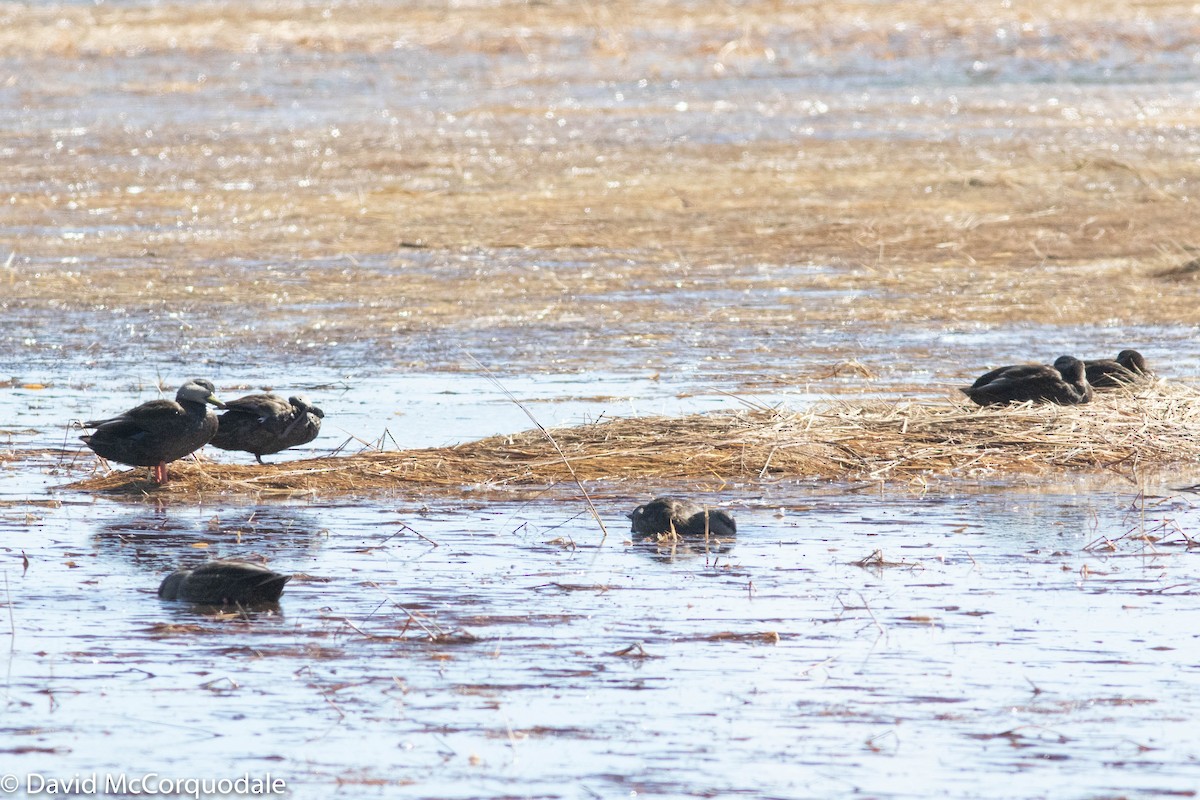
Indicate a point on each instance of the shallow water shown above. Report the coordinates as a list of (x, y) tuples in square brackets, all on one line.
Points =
[(489, 648)]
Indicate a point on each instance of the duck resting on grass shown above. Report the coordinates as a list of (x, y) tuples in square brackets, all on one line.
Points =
[(667, 515), (158, 432), (1064, 383), (261, 424), (221, 583), (1128, 367)]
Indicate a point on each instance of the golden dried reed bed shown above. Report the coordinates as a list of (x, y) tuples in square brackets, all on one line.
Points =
[(906, 440)]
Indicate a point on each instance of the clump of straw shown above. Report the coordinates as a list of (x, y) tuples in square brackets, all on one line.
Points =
[(1155, 425)]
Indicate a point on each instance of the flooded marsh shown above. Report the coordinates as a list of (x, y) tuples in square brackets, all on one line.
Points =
[(631, 224), (492, 647)]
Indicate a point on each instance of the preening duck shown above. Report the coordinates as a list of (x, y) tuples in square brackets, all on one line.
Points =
[(266, 423), (667, 514)]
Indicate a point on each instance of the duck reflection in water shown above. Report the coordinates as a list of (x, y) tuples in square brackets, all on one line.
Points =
[(160, 537)]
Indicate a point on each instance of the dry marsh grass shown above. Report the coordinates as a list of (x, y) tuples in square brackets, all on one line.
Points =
[(462, 177), (725, 32), (970, 227), (1152, 427)]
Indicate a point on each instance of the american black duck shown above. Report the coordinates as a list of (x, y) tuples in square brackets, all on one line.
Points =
[(266, 423), (1064, 383), (220, 583), (156, 433), (1128, 367), (665, 515)]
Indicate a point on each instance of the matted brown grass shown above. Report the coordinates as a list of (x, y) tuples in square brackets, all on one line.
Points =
[(886, 441), (921, 229)]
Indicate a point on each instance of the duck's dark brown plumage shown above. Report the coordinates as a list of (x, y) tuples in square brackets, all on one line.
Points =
[(220, 583), (666, 514), (1128, 367), (1064, 383), (266, 423), (156, 433)]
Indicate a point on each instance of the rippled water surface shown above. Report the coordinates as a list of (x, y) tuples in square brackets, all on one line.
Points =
[(991, 642)]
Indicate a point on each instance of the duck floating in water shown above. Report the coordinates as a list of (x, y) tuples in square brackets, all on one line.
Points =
[(1128, 367), (158, 432), (226, 582), (266, 423), (1064, 383), (665, 515)]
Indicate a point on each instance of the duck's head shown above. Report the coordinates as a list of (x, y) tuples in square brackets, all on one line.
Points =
[(648, 518), (301, 402), (198, 390), (660, 515), (1071, 368), (1133, 361), (169, 590)]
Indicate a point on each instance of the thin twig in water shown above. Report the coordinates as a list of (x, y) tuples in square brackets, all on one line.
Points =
[(413, 618), (12, 623), (877, 560), (359, 630), (350, 438), (826, 662), (869, 611), (405, 526), (566, 462), (634, 650), (341, 714)]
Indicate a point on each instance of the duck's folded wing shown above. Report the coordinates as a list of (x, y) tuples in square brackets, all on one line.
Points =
[(258, 405), (152, 417), (1017, 372), (100, 423), (155, 416), (235, 585)]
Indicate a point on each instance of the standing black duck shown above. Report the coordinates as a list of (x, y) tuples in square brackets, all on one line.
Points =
[(1128, 367), (665, 515), (1064, 383), (266, 423), (226, 582), (158, 432)]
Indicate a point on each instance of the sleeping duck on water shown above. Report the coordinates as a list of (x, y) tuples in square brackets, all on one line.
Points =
[(225, 582)]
